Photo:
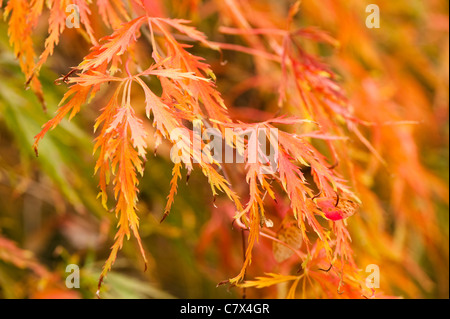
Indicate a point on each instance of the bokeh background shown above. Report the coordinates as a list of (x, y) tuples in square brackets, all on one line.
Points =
[(50, 217)]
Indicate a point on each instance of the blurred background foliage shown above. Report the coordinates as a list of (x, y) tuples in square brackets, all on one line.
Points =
[(50, 217)]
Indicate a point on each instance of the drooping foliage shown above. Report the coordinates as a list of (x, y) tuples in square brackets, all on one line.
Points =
[(342, 153)]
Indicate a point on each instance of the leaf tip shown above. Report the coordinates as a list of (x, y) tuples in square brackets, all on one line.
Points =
[(36, 151), (164, 217)]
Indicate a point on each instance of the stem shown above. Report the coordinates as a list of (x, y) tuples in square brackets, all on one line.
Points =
[(244, 248)]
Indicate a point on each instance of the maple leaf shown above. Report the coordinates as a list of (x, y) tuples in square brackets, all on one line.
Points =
[(270, 280), (57, 24), (19, 32), (121, 135), (202, 91), (76, 96), (255, 211), (115, 44), (113, 12), (84, 12), (176, 174)]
